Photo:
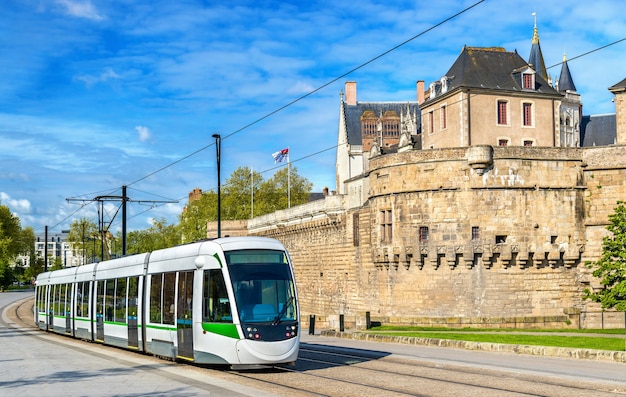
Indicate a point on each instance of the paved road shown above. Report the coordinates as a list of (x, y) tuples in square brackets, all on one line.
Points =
[(33, 363), (37, 363)]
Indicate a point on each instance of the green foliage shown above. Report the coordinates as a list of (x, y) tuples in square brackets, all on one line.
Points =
[(194, 218), (14, 241), (244, 195), (6, 276), (611, 267), (159, 235), (35, 268), (85, 240)]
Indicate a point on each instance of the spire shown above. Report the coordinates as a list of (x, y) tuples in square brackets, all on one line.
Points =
[(536, 56), (566, 83)]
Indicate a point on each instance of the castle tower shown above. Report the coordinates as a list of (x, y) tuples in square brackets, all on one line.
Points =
[(619, 90), (536, 56), (571, 109)]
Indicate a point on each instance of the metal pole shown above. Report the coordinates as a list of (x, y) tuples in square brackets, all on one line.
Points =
[(218, 144), (45, 251), (124, 199)]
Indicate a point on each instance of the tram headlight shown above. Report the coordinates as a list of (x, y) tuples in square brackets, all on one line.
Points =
[(290, 331)]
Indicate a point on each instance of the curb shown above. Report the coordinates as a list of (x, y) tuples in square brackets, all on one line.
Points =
[(552, 351)]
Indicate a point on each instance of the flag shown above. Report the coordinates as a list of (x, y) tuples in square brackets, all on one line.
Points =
[(281, 155)]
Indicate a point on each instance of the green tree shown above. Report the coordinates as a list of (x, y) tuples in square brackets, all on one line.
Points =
[(611, 267), (10, 236), (13, 241), (284, 188), (159, 235), (239, 195), (35, 268), (57, 264), (6, 276), (244, 194), (85, 240), (194, 218)]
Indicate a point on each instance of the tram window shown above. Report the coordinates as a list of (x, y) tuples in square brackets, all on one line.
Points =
[(156, 284), (79, 300), (109, 287), (84, 307), (262, 292), (162, 293), (133, 284), (120, 300), (60, 301), (169, 290), (215, 302), (54, 299), (100, 299)]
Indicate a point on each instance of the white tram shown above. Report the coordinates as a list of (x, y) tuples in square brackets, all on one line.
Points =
[(225, 301)]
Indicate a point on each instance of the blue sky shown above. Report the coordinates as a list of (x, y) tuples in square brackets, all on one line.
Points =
[(97, 94)]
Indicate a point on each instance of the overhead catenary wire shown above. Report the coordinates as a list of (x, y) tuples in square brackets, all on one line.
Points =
[(332, 81), (308, 94)]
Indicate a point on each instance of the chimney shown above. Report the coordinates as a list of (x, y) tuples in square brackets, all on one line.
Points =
[(351, 92), (420, 91)]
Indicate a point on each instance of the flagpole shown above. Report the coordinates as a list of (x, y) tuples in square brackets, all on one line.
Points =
[(288, 178), (251, 192)]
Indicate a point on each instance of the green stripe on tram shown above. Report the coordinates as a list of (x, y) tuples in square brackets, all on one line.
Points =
[(161, 327), (228, 330)]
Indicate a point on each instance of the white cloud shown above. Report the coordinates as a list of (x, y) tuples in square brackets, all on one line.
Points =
[(19, 206), (81, 9), (143, 132), (103, 77)]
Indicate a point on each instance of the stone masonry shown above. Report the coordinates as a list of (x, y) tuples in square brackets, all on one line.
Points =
[(481, 236)]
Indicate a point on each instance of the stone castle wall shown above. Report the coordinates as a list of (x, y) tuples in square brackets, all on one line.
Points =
[(508, 233)]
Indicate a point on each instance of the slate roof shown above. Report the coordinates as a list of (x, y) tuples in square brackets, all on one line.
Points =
[(353, 115), (491, 68), (598, 130), (536, 56), (619, 86), (566, 83)]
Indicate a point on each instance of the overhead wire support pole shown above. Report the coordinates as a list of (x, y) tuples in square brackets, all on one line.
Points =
[(124, 199), (218, 147)]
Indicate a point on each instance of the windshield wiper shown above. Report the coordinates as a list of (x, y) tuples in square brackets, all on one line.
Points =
[(283, 311)]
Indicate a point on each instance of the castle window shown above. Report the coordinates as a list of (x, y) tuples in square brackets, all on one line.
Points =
[(443, 122), (369, 123), (503, 112), (475, 233), (501, 239), (503, 142), (528, 81), (386, 223), (527, 114), (423, 234), (391, 124), (528, 142), (431, 122)]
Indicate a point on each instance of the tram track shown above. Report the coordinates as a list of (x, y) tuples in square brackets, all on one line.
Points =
[(368, 376), (324, 371)]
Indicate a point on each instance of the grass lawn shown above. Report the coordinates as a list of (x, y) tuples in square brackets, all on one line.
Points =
[(509, 336)]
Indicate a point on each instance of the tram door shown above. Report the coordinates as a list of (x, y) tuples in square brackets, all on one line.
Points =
[(184, 322), (133, 295)]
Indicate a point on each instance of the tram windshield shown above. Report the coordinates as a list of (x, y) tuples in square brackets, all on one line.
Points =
[(263, 285)]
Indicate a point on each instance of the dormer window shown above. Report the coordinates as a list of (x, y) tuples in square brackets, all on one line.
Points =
[(528, 81)]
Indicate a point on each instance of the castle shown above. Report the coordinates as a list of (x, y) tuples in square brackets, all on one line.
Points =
[(478, 204)]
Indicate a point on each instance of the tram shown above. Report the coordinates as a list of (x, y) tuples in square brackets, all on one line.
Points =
[(226, 301)]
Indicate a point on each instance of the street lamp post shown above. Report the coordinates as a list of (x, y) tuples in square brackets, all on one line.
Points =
[(218, 147)]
